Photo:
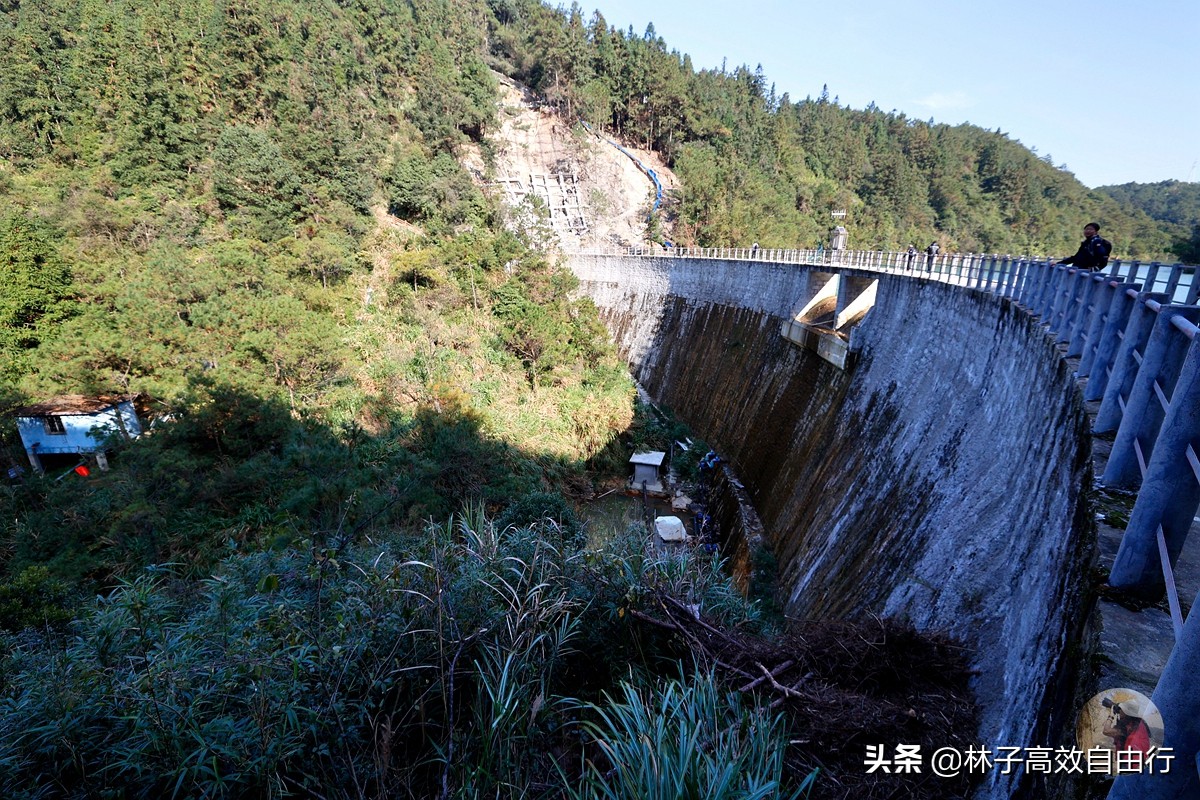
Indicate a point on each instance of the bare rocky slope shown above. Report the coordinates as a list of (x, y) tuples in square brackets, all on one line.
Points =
[(593, 195)]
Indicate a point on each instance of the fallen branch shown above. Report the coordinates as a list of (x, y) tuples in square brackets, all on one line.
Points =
[(775, 673)]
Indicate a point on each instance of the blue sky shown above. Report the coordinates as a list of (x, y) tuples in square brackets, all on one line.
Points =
[(1111, 89)]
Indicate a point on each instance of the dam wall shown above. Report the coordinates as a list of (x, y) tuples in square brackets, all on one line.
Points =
[(940, 478)]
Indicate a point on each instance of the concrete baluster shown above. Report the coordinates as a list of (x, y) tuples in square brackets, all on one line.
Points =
[(1054, 292), (1066, 302), (1170, 494), (1139, 271), (1062, 283), (1004, 289), (1152, 276), (993, 270), (985, 269), (1010, 280), (1173, 280), (1046, 300), (1179, 703), (1026, 282), (1162, 360), (1120, 306), (1066, 296), (1082, 314), (1100, 301), (1035, 288), (1040, 288), (1021, 279), (1126, 365), (1059, 279), (1031, 271)]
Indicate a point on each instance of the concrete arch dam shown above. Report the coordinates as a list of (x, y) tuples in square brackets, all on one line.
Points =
[(938, 477)]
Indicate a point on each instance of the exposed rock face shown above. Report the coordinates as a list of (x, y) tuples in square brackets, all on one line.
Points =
[(941, 478)]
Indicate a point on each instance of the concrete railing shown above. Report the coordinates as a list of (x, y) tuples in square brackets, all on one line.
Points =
[(1133, 326)]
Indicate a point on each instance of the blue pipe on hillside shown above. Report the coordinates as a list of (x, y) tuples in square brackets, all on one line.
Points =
[(658, 189)]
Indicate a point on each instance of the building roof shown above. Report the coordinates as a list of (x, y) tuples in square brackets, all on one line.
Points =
[(68, 405), (654, 459)]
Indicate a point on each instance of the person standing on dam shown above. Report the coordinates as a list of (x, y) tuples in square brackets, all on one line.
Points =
[(1093, 250)]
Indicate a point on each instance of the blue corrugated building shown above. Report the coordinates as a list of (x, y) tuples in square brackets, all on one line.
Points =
[(75, 425)]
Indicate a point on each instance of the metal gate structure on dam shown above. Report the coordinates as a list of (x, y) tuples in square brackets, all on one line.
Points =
[(1133, 328)]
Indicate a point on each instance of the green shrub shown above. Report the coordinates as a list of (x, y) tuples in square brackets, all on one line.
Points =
[(458, 658), (684, 739), (537, 507), (34, 599)]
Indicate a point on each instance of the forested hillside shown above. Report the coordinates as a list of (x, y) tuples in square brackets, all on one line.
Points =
[(195, 203), (759, 165), (345, 560), (1174, 203)]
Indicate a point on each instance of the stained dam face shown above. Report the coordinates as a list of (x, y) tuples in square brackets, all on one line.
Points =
[(939, 478)]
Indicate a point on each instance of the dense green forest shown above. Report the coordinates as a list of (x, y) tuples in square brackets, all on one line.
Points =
[(196, 203), (758, 165), (194, 209), (347, 559), (1174, 203)]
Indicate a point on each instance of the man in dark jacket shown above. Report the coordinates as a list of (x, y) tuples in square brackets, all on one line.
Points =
[(1093, 252)]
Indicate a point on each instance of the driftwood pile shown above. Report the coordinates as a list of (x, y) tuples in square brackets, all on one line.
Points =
[(842, 686)]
